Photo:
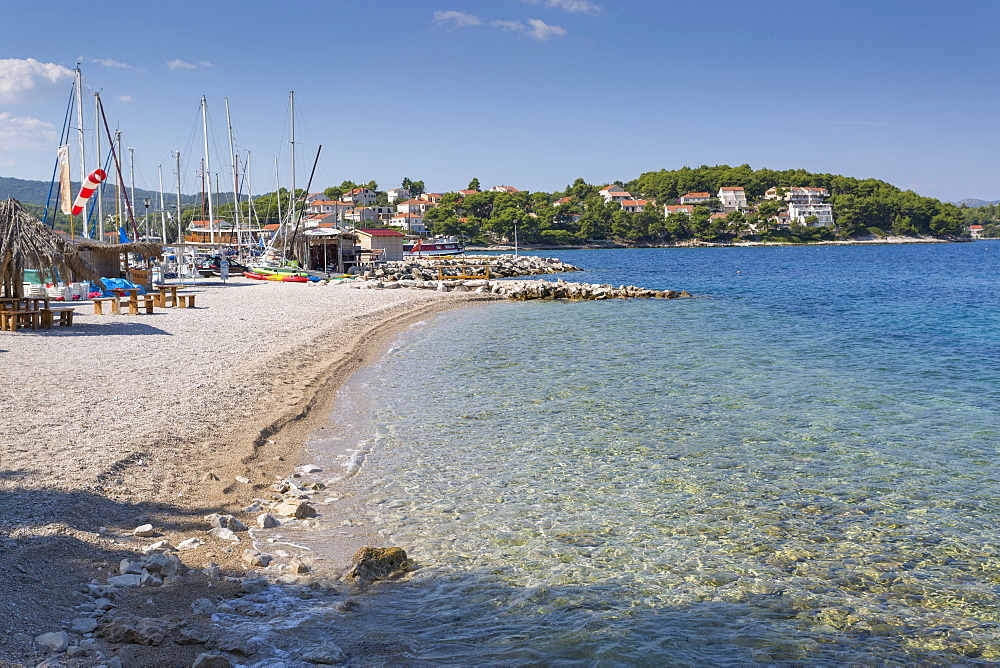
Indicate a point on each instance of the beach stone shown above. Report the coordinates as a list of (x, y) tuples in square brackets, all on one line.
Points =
[(158, 546), (190, 544), (254, 585), (83, 625), (243, 479), (127, 628), (310, 468), (267, 521), (256, 559), (213, 571), (54, 641), (375, 563), (297, 566), (326, 653), (206, 660), (295, 508), (148, 579), (203, 606), (126, 567), (129, 580), (225, 522), (144, 531), (224, 534)]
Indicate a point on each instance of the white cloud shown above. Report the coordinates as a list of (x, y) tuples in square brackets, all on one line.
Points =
[(456, 19), (108, 62), (30, 81), (184, 65), (575, 6), (535, 28), (26, 133), (6, 162), (124, 98)]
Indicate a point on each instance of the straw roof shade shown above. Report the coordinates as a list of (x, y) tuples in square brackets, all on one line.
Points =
[(146, 249), (27, 243)]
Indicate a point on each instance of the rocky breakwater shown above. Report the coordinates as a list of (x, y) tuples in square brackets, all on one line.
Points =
[(485, 266), (524, 290)]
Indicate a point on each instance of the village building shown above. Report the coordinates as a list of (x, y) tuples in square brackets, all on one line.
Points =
[(822, 212), (614, 194), (359, 196), (634, 205), (677, 208), (411, 223), (386, 244), (694, 198), (733, 198), (797, 194), (398, 194), (414, 206), (504, 189)]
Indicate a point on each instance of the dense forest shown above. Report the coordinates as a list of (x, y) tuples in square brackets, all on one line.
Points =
[(861, 207)]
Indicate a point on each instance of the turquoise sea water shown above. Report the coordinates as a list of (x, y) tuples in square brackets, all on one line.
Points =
[(799, 466)]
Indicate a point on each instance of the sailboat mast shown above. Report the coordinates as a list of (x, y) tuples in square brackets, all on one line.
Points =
[(277, 189), (131, 175), (79, 133), (100, 184), (180, 236), (291, 196), (118, 181), (163, 213), (236, 178), (208, 168)]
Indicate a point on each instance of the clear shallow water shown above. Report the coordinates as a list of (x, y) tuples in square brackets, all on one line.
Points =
[(798, 467)]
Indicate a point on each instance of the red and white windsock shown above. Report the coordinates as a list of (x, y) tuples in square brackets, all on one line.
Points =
[(93, 180)]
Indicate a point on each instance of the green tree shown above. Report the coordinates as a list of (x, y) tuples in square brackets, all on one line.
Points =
[(473, 184)]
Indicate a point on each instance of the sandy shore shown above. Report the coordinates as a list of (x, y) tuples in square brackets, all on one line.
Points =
[(123, 420)]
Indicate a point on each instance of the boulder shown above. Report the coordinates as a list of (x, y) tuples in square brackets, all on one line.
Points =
[(225, 522), (326, 653), (224, 534), (267, 521), (376, 563), (295, 508), (203, 606), (83, 625), (127, 628), (130, 580), (54, 641), (207, 660)]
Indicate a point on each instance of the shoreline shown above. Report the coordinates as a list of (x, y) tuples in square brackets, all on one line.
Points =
[(74, 488), (877, 241)]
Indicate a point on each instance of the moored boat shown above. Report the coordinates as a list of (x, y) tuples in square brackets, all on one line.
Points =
[(433, 247)]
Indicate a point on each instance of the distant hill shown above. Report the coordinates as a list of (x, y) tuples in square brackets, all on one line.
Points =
[(37, 192), (972, 203)]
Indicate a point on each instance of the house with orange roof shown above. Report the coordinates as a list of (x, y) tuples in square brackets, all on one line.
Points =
[(975, 231), (386, 244), (420, 206), (504, 189), (633, 205), (398, 194), (563, 200), (411, 223), (431, 197), (733, 198), (312, 197), (677, 208), (798, 194), (359, 196), (614, 194), (463, 193), (694, 198)]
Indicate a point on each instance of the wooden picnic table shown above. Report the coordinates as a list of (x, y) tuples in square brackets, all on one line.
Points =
[(29, 312)]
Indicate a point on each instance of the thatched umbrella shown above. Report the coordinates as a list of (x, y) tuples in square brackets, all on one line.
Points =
[(26, 243)]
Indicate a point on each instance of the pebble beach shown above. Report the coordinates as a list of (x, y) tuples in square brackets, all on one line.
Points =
[(122, 421)]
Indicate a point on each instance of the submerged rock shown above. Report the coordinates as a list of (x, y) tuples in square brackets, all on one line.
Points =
[(377, 563)]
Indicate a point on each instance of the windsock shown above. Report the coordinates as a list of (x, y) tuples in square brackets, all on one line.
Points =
[(93, 180)]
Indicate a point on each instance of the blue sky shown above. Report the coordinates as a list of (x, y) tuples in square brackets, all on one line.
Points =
[(528, 93)]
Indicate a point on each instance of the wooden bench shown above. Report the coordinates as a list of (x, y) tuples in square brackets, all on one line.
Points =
[(11, 320), (143, 302), (99, 303), (186, 301), (65, 316)]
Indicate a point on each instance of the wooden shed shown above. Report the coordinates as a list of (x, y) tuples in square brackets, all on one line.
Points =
[(389, 242)]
